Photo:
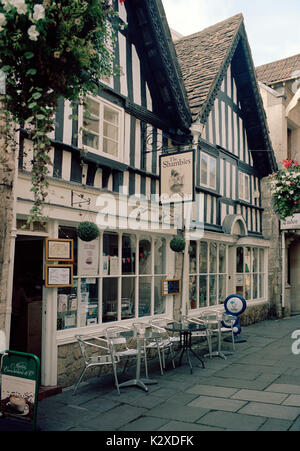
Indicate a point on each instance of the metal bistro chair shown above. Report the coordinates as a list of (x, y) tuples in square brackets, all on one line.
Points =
[(118, 344), (214, 320), (229, 322), (96, 360), (163, 341), (203, 330)]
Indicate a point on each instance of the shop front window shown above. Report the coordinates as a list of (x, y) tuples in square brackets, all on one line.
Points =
[(250, 275), (208, 274), (126, 282)]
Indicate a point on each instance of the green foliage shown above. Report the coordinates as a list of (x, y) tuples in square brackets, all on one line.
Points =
[(87, 231), (177, 244), (285, 188), (50, 50)]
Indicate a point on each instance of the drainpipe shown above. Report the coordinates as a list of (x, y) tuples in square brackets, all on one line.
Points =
[(283, 272)]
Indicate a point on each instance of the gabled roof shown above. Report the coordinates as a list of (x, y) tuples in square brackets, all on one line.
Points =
[(280, 70), (151, 35), (204, 58)]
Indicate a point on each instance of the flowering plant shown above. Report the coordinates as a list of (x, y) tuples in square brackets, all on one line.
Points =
[(285, 188), (51, 49)]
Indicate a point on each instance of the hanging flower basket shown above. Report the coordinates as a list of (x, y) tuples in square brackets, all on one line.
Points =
[(87, 231), (177, 244), (285, 189)]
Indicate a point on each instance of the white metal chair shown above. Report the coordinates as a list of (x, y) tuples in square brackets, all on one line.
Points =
[(91, 359), (163, 341), (214, 320), (230, 322), (118, 344), (203, 330)]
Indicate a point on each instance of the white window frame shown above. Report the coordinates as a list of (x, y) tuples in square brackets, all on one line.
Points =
[(120, 111), (153, 277), (209, 183), (208, 273), (243, 182), (259, 273)]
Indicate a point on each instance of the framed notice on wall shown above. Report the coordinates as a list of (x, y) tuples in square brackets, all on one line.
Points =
[(170, 287), (59, 249), (58, 276)]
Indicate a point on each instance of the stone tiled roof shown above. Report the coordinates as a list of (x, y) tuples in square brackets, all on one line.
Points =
[(202, 56), (283, 69)]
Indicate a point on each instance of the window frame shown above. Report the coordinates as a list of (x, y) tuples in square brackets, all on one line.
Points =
[(208, 172), (251, 273), (152, 276), (102, 104), (242, 177), (198, 274)]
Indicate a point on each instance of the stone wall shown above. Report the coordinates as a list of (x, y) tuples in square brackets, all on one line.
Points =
[(270, 228)]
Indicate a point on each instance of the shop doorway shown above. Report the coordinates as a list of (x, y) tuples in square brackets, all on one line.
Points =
[(26, 318), (294, 275)]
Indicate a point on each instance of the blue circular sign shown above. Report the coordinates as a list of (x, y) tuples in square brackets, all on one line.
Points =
[(235, 304)]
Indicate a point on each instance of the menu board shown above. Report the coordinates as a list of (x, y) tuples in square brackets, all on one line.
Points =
[(170, 287)]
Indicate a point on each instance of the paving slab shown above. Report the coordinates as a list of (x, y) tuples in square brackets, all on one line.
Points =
[(284, 388), (214, 403), (173, 411), (145, 424), (232, 421), (271, 410), (274, 424), (259, 396), (292, 400), (211, 390), (185, 427)]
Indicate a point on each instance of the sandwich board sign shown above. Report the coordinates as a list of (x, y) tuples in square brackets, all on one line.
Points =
[(20, 374)]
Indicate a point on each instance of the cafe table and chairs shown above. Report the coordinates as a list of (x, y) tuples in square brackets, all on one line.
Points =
[(184, 329)]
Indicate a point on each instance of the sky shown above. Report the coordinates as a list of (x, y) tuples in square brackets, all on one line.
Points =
[(272, 26)]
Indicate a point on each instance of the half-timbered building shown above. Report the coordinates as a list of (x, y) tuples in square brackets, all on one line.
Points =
[(233, 154), (207, 99), (123, 130)]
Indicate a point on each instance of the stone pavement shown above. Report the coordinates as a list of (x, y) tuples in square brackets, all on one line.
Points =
[(255, 389)]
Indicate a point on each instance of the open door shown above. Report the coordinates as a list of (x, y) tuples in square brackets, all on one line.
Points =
[(26, 318)]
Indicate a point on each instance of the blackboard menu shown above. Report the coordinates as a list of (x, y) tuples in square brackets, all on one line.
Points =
[(170, 287)]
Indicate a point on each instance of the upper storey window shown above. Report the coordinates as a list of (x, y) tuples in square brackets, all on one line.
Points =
[(101, 125), (208, 171), (244, 187)]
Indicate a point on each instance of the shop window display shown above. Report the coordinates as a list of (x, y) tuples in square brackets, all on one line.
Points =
[(208, 273), (125, 285), (250, 276)]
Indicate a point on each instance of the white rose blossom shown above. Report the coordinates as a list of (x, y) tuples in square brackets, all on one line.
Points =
[(38, 12), (6, 5), (33, 33), (2, 21), (20, 5)]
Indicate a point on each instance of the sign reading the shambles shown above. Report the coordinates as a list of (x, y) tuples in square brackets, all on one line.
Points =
[(177, 177)]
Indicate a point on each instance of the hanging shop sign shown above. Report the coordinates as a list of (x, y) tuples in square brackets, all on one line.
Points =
[(177, 177), (58, 276), (291, 223), (59, 249), (170, 287), (20, 384)]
